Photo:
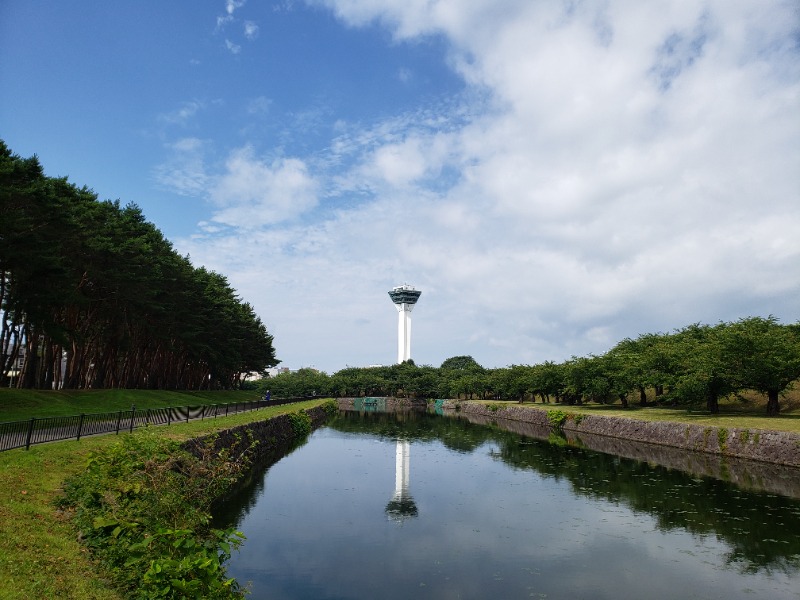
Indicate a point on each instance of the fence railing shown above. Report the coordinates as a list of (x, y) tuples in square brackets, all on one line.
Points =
[(23, 434)]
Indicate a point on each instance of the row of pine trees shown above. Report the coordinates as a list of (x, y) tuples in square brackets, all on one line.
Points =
[(93, 296)]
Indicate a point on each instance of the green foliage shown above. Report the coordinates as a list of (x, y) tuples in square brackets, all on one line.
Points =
[(693, 367), (97, 278), (296, 384), (185, 568), (461, 363), (301, 423), (557, 418), (331, 407), (706, 437), (142, 507), (722, 438)]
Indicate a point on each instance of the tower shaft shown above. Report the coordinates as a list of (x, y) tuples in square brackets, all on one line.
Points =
[(404, 298), (403, 332)]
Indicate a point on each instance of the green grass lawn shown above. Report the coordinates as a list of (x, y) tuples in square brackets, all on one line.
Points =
[(40, 555), (21, 405)]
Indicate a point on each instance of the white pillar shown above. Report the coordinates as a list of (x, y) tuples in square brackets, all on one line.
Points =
[(401, 469), (403, 331), (402, 505)]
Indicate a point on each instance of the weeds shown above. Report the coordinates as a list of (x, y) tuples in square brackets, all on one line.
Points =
[(301, 423), (142, 507), (557, 419), (722, 438)]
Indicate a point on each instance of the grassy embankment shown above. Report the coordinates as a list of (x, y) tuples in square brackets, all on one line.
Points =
[(747, 412), (40, 555), (20, 405)]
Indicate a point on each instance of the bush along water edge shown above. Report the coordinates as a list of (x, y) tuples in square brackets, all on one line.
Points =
[(142, 507)]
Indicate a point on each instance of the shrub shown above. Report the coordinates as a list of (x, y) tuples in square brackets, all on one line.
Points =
[(142, 507), (301, 423), (556, 418)]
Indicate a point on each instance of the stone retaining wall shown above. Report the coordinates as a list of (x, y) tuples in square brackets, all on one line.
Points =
[(273, 435), (776, 447)]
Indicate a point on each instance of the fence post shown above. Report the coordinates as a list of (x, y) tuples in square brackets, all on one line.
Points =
[(30, 432), (226, 408), (119, 418), (80, 427), (169, 415), (133, 413), (203, 412), (188, 412), (147, 417)]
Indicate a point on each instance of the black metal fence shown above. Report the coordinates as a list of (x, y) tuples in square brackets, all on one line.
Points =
[(23, 434)]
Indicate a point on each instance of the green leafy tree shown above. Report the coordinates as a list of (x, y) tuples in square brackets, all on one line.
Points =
[(704, 372), (764, 355)]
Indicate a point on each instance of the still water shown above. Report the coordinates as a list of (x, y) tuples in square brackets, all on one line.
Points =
[(385, 506)]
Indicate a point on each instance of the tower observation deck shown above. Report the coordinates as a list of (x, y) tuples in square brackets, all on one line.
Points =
[(404, 298)]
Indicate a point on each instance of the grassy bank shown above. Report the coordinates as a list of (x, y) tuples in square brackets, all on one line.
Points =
[(747, 412), (20, 405), (40, 556)]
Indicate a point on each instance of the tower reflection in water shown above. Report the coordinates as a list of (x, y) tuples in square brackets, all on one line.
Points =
[(401, 507)]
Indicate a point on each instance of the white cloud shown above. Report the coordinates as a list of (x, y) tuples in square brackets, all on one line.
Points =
[(635, 169), (259, 106), (252, 193), (232, 5), (184, 114), (250, 30), (232, 48), (184, 172)]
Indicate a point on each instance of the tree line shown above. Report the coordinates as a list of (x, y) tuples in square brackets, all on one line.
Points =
[(93, 296), (695, 366)]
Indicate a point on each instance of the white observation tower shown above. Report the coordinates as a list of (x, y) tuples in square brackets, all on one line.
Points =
[(404, 297)]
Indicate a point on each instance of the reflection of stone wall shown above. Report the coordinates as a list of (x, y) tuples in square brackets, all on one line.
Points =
[(389, 402), (755, 459)]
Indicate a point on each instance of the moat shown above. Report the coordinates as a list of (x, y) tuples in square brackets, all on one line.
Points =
[(413, 505)]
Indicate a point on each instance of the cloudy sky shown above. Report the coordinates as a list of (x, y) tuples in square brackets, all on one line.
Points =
[(553, 175)]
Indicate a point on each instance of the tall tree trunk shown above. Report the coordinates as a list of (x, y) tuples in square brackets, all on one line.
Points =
[(712, 403), (31, 367), (773, 404)]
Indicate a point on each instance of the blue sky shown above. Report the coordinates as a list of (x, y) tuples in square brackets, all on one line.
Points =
[(554, 176)]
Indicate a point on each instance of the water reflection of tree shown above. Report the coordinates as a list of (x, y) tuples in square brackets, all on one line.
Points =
[(230, 509), (414, 425), (761, 529)]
